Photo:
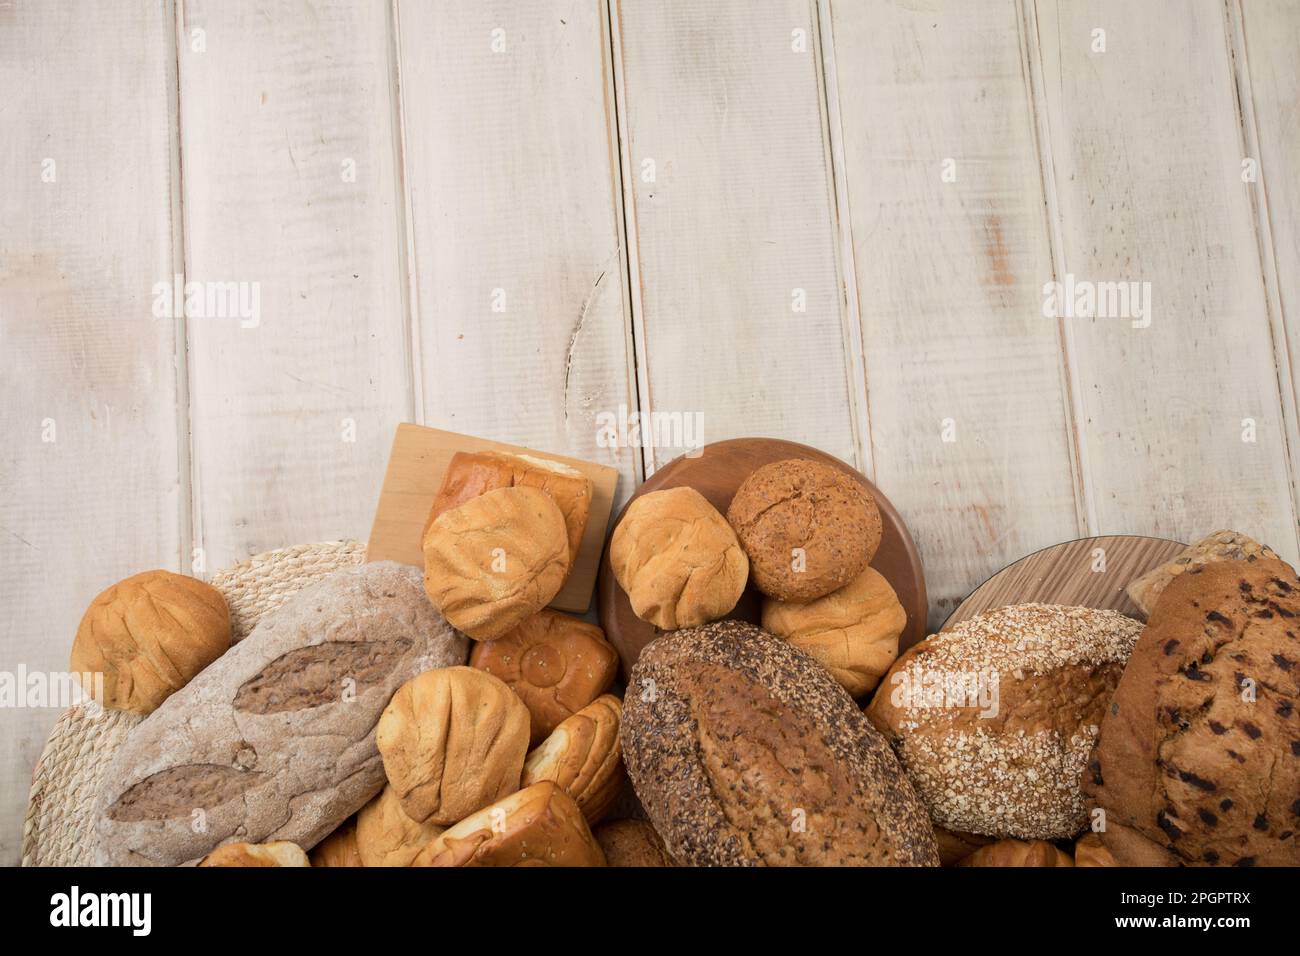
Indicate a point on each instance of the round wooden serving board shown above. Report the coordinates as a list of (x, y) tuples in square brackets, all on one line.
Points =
[(1068, 574), (716, 473)]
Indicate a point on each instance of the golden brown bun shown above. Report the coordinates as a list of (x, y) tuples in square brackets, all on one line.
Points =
[(677, 559), (853, 632), (339, 848), (994, 718), (955, 847), (1018, 853), (632, 843), (149, 635), (471, 474), (557, 665), (584, 758), (453, 740), (281, 853), (1199, 752), (1089, 850), (1221, 546), (386, 836), (496, 560), (807, 528), (538, 826)]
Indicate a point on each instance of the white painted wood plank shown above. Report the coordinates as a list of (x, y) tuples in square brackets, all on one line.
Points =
[(516, 241), (85, 87), (288, 99), (949, 276), (1146, 146), (1266, 48), (725, 102)]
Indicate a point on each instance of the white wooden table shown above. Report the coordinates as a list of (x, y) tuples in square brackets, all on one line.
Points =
[(826, 221)]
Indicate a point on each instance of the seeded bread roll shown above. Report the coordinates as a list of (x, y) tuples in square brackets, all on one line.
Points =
[(995, 718), (1198, 760), (276, 739), (745, 752), (806, 527)]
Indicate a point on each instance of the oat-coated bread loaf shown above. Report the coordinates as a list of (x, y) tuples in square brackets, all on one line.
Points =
[(746, 752), (276, 739), (1198, 760), (994, 719)]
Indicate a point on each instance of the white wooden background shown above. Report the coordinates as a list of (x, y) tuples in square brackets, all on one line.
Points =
[(211, 138)]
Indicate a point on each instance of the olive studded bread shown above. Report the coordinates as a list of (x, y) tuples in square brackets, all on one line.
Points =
[(275, 740), (746, 752), (1198, 761)]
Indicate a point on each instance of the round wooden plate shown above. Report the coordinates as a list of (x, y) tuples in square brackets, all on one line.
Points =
[(1087, 572), (717, 472)]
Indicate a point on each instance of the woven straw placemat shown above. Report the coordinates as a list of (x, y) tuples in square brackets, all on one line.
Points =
[(57, 829)]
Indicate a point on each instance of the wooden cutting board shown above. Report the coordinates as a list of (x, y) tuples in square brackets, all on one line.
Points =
[(416, 467), (717, 473), (1087, 572)]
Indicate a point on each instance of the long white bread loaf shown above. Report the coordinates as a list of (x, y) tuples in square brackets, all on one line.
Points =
[(276, 739)]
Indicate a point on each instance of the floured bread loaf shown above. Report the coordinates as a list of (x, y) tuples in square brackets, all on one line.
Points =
[(276, 739)]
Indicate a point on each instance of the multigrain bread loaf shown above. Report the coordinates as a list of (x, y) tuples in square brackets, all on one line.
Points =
[(453, 740), (632, 843), (147, 637), (1221, 546), (744, 751), (496, 560), (1198, 760), (853, 631), (677, 559), (557, 664), (808, 528), (995, 718), (537, 826), (276, 739), (471, 474), (584, 757)]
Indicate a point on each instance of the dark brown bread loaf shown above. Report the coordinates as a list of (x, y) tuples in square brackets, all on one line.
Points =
[(746, 752), (1198, 761), (276, 739)]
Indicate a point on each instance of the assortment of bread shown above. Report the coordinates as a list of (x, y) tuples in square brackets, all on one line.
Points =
[(355, 723)]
